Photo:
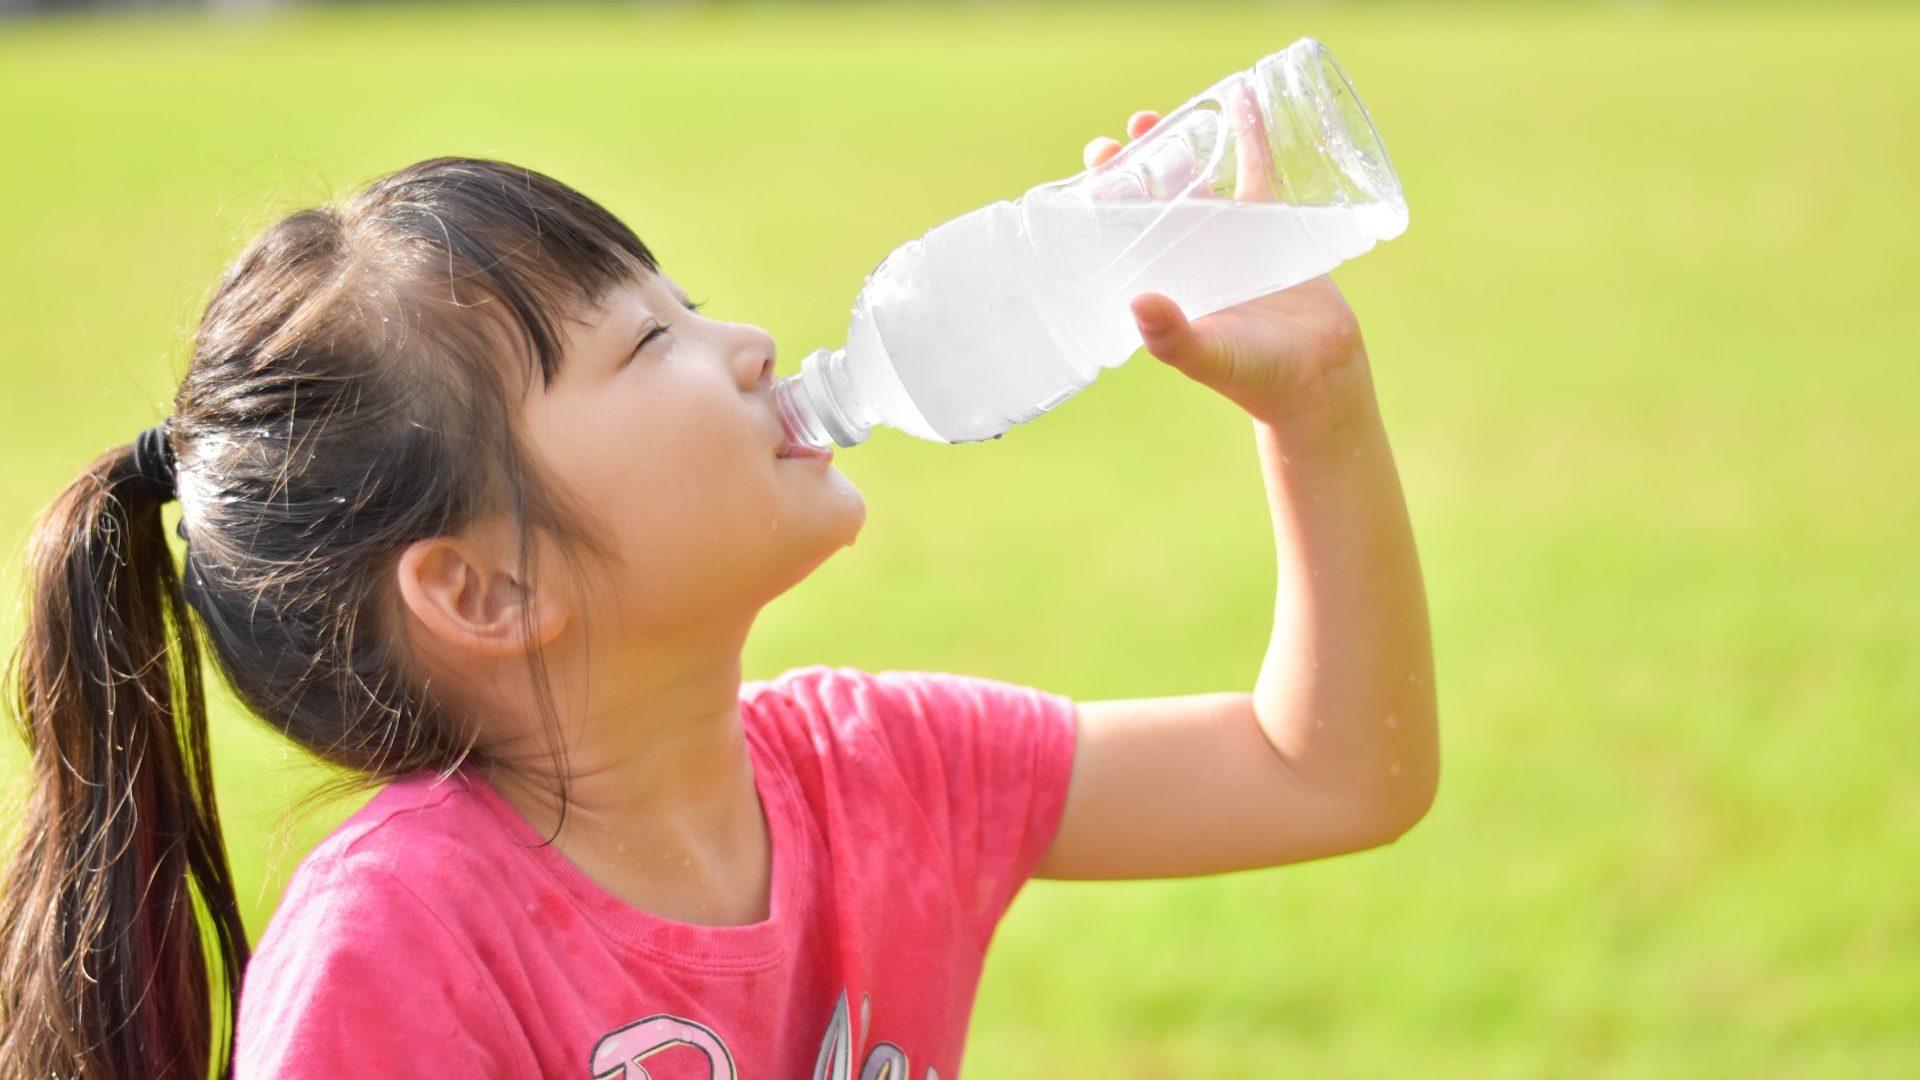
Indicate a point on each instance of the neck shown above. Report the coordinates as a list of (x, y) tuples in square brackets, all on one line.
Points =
[(656, 756)]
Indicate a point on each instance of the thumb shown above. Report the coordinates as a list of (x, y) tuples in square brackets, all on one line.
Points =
[(1168, 335)]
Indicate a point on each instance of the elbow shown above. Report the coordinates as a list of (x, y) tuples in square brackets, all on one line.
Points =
[(1408, 806), (1412, 782), (1412, 808), (1380, 815), (1394, 807)]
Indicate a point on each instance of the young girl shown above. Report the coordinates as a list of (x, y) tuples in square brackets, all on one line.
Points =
[(475, 503)]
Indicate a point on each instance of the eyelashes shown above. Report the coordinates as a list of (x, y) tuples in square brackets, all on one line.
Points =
[(647, 338)]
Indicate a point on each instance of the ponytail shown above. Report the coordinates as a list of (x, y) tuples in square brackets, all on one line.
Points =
[(121, 944), (351, 391)]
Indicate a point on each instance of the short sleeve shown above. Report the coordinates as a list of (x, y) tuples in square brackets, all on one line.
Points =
[(989, 762), (356, 976)]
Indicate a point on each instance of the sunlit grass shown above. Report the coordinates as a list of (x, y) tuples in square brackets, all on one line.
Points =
[(1648, 359)]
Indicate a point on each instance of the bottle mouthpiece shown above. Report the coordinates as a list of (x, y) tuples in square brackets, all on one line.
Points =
[(808, 408)]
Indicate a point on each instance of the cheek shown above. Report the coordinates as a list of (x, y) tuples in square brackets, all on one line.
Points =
[(695, 500), (682, 485)]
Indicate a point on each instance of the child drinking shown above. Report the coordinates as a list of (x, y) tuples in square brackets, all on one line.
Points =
[(475, 504)]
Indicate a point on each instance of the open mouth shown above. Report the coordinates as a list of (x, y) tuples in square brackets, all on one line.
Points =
[(800, 450)]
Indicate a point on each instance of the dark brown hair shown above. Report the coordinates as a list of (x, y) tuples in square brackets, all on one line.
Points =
[(350, 391)]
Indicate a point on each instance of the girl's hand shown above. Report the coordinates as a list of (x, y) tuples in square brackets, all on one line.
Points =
[(1282, 355)]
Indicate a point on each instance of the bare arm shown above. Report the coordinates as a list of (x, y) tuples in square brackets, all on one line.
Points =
[(1335, 749), (1346, 690)]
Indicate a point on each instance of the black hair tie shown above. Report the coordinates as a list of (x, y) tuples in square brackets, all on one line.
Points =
[(153, 460)]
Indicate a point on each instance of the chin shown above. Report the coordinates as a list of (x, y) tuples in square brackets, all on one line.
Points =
[(851, 505), (821, 545), (859, 513), (848, 524)]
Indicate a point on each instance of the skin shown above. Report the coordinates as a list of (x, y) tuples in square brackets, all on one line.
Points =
[(1335, 749), (669, 448), (672, 452)]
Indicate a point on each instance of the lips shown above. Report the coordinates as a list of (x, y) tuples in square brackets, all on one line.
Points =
[(789, 448), (800, 450)]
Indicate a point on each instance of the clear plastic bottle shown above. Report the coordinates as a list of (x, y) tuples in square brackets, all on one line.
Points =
[(1269, 177)]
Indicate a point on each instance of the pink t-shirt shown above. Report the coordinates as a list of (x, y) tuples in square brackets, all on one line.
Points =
[(428, 936)]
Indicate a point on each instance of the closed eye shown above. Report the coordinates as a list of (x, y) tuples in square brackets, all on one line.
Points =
[(647, 338)]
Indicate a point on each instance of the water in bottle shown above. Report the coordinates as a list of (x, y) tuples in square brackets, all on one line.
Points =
[(1268, 178)]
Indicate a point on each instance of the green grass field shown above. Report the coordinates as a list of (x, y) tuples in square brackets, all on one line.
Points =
[(1647, 355)]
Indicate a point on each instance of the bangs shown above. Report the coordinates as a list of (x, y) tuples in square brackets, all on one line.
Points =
[(503, 234)]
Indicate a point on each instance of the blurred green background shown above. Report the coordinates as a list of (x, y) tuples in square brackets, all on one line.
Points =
[(1646, 354)]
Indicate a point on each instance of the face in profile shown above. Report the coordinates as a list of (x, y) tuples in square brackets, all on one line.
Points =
[(661, 427)]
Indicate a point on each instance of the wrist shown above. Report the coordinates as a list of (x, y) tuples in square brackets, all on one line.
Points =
[(1334, 415)]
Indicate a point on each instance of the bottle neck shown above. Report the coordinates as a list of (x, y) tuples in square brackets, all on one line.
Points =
[(812, 403)]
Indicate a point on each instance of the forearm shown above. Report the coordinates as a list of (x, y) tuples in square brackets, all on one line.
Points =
[(1346, 691)]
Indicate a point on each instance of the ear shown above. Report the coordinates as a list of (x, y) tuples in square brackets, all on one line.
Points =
[(460, 589)]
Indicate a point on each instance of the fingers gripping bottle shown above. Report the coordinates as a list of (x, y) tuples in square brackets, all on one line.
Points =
[(1268, 178)]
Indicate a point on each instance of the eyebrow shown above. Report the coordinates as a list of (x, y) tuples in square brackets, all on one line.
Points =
[(680, 295), (651, 316)]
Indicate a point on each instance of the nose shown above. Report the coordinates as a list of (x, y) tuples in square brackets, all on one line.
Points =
[(753, 357)]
